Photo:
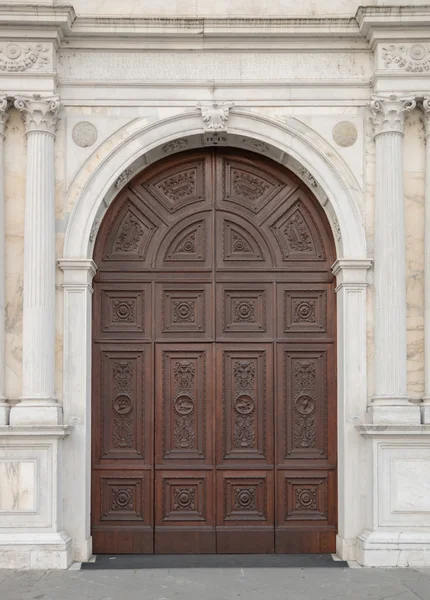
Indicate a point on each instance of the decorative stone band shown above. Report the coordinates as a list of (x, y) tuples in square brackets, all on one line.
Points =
[(388, 113), (39, 114)]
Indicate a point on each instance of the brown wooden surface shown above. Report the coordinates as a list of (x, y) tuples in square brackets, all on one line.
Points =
[(214, 396)]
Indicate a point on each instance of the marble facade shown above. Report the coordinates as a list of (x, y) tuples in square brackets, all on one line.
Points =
[(87, 102)]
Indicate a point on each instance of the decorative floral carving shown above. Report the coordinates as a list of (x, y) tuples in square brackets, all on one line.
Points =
[(244, 310), (4, 115), (245, 498), (304, 405), (183, 428), (215, 115), (180, 185), (175, 146), (305, 374), (239, 244), (256, 145), (306, 498), (124, 177), (244, 374), (130, 236), (388, 113), (425, 107), (122, 431), (304, 310), (244, 405), (183, 311), (297, 234), (15, 57), (123, 311), (39, 114), (94, 229), (122, 498), (336, 229), (307, 177), (184, 499), (414, 58), (248, 186)]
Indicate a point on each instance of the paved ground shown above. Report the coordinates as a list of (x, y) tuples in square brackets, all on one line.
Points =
[(217, 584)]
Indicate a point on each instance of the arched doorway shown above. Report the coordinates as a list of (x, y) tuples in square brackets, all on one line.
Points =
[(214, 397)]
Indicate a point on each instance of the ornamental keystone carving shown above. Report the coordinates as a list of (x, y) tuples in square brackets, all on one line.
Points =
[(414, 58), (215, 115), (16, 57), (39, 114), (388, 113)]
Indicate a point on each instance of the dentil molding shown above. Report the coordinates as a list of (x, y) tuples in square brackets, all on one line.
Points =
[(388, 112), (39, 114)]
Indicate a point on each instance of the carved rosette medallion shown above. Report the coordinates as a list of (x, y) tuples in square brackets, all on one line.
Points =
[(304, 311), (122, 499), (244, 311), (244, 408), (245, 499), (184, 499), (306, 499), (123, 311), (84, 134), (184, 406), (122, 406), (388, 113), (183, 311)]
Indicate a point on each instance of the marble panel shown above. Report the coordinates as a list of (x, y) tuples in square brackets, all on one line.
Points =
[(17, 486)]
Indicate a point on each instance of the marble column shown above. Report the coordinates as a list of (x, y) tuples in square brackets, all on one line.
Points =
[(4, 407), (426, 398), (37, 404), (390, 403)]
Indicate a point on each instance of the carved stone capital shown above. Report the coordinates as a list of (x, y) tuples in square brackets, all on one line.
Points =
[(39, 114), (425, 109), (388, 113), (215, 116), (4, 115)]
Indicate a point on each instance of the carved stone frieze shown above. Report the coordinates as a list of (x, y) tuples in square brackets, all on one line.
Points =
[(307, 177), (215, 115), (175, 146), (124, 177), (414, 58), (388, 113), (16, 57), (40, 114)]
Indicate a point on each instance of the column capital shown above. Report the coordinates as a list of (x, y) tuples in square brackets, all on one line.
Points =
[(351, 272), (425, 109), (40, 114), (388, 113), (4, 115)]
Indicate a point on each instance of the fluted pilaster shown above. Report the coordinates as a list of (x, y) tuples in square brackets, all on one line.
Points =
[(38, 404), (390, 403), (4, 407), (426, 115)]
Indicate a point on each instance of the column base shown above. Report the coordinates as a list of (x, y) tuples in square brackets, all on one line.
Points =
[(389, 410), (36, 412), (35, 550), (425, 408), (393, 549), (82, 552), (4, 412)]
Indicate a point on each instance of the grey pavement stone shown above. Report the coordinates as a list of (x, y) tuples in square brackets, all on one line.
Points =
[(217, 584)]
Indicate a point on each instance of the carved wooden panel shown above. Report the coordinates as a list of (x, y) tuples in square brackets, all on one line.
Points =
[(302, 310), (246, 310), (303, 391), (122, 498), (130, 235), (297, 235), (125, 313), (181, 185), (184, 402), (124, 386), (185, 497), (305, 497), (187, 245), (249, 185), (244, 398), (183, 310), (245, 498)]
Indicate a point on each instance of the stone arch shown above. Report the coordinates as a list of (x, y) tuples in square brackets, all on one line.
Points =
[(137, 145)]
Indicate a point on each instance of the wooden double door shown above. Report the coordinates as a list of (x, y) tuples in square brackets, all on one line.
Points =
[(214, 409)]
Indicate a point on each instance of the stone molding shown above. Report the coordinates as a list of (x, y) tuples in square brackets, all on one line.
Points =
[(388, 113), (40, 114)]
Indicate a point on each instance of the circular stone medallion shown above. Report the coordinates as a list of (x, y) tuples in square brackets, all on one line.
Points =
[(122, 404), (84, 134), (345, 134)]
